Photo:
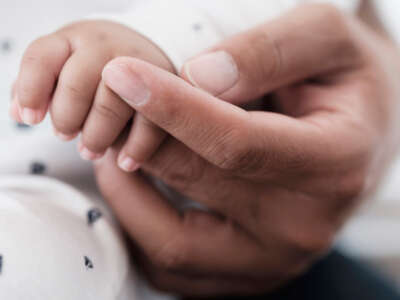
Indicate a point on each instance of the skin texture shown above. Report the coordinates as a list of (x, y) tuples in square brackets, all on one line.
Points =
[(279, 185), (61, 72)]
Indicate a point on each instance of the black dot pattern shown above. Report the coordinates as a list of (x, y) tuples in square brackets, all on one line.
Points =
[(22, 126), (5, 46), (197, 27), (37, 168), (88, 263), (93, 215)]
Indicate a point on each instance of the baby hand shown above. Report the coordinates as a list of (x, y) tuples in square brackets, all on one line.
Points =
[(61, 73)]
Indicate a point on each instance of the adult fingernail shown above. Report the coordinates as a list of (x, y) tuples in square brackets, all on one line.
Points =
[(127, 163), (126, 83), (214, 72), (30, 116)]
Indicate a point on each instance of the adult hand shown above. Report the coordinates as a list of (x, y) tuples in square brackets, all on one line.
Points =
[(280, 184)]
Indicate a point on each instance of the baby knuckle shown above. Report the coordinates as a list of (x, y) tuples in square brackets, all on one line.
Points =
[(34, 59), (35, 48), (36, 54), (168, 261), (106, 111), (31, 57), (72, 90), (26, 93)]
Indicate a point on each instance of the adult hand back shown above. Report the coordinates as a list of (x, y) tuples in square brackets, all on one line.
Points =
[(281, 183)]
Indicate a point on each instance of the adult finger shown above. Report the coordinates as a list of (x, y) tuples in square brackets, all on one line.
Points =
[(308, 41), (196, 241), (222, 133)]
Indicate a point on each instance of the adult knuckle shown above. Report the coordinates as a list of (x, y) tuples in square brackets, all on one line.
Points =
[(229, 149), (310, 243), (190, 171), (294, 161), (313, 246), (236, 154), (352, 186), (174, 119), (159, 282), (235, 160), (173, 256)]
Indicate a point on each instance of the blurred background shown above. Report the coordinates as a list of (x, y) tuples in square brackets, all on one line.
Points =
[(373, 236)]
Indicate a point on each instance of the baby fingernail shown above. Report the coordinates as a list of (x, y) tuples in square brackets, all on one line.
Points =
[(214, 72), (127, 164), (30, 116), (65, 137), (86, 154), (126, 83)]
